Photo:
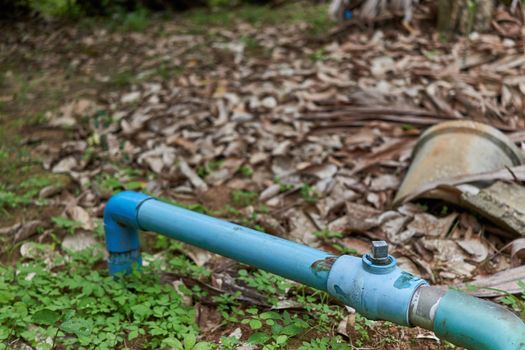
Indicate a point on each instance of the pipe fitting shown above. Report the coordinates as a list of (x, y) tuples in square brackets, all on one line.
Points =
[(423, 306), (122, 231), (378, 292)]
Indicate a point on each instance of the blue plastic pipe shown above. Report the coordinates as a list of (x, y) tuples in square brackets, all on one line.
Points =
[(378, 291), (270, 253)]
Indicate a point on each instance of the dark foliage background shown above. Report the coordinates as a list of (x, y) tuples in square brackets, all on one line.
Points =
[(14, 9)]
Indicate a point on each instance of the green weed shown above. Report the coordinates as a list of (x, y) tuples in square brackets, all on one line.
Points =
[(188, 343), (55, 8), (515, 303), (278, 328), (318, 55), (66, 224), (229, 307), (242, 198), (124, 179), (183, 265), (309, 194), (26, 193), (316, 304), (325, 343), (209, 167), (283, 187), (78, 307), (362, 325), (167, 72), (344, 250), (229, 343), (267, 283), (327, 234), (137, 20), (246, 170), (314, 15)]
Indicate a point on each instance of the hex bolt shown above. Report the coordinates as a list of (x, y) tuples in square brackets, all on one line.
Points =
[(379, 253), (379, 249)]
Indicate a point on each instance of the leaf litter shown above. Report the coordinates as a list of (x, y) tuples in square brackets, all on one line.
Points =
[(324, 141)]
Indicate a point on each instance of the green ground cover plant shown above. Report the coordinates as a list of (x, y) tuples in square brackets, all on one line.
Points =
[(78, 307)]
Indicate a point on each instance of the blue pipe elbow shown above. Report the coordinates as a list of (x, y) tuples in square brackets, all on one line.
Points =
[(122, 231)]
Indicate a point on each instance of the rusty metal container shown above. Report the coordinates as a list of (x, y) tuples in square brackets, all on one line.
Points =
[(456, 148)]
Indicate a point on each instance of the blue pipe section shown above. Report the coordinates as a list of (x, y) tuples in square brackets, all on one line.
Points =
[(474, 323), (378, 291), (282, 257)]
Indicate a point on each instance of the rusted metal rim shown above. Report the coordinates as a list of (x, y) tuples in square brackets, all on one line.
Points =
[(456, 148), (471, 127)]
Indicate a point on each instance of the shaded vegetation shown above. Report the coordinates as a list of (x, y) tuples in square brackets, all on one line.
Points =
[(76, 8)]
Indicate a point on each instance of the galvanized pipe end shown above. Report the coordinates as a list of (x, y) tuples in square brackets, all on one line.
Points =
[(423, 306)]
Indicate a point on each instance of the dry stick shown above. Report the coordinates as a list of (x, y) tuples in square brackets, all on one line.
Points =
[(418, 119), (342, 110), (350, 120), (518, 181), (518, 136), (385, 154)]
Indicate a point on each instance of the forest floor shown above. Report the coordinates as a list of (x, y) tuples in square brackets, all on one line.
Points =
[(273, 118)]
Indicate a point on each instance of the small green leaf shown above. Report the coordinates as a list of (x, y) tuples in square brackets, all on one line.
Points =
[(202, 346), (4, 333), (77, 326), (141, 311), (189, 341), (281, 339), (133, 334), (46, 316), (255, 324), (173, 343), (292, 330), (66, 224), (259, 338), (6, 296), (270, 315)]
